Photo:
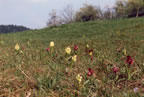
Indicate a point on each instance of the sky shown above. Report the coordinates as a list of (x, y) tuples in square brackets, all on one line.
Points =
[(34, 13)]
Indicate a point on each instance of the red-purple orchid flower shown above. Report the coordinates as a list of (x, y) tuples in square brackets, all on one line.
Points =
[(75, 47), (48, 49), (115, 69), (129, 60), (90, 72)]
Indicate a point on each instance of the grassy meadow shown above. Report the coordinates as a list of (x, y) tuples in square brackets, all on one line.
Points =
[(103, 58)]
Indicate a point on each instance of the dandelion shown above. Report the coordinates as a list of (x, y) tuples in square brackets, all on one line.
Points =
[(79, 78), (51, 44), (90, 72), (129, 60), (17, 47), (68, 50), (74, 58), (75, 47)]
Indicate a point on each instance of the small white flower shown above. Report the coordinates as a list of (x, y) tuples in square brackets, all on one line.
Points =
[(135, 89)]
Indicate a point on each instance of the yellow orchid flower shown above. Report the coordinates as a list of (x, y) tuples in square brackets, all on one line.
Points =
[(17, 47), (124, 51), (90, 53), (74, 58), (87, 46), (51, 44), (68, 50), (79, 78)]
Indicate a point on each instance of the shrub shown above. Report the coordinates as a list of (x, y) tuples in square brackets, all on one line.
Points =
[(88, 13)]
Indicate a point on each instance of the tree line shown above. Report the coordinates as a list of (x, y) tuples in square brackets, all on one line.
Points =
[(12, 28), (121, 9)]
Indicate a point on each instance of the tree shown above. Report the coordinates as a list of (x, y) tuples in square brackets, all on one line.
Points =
[(109, 13), (129, 8), (54, 20), (67, 14), (88, 13), (136, 6), (12, 28), (120, 8)]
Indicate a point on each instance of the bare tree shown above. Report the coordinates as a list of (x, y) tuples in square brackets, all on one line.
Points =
[(109, 13), (67, 14), (54, 19)]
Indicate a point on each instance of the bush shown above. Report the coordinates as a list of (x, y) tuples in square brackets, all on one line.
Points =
[(129, 8), (88, 13), (121, 8)]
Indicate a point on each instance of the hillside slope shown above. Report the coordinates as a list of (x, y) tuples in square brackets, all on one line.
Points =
[(97, 29), (109, 60)]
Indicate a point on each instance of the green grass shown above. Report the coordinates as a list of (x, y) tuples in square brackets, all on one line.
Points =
[(39, 73)]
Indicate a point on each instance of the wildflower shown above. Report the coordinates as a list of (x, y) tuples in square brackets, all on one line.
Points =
[(79, 78), (129, 60), (67, 70), (48, 49), (28, 42), (21, 52), (75, 47), (124, 51), (115, 69), (90, 52), (74, 58), (51, 44), (2, 42), (90, 72), (68, 50), (17, 47), (91, 58), (135, 89), (87, 46)]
